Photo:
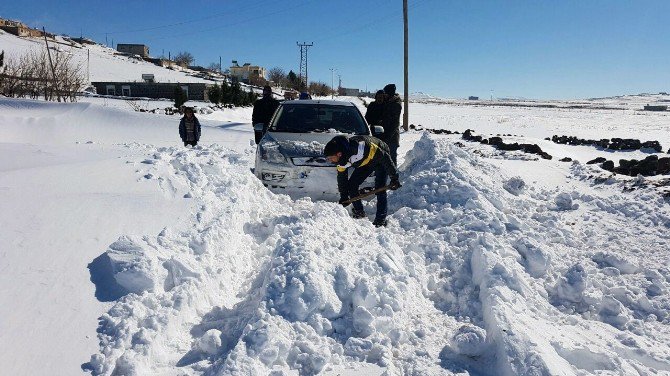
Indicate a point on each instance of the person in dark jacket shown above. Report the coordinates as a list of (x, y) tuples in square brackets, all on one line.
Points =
[(189, 128), (374, 113), (365, 154), (391, 120), (264, 108)]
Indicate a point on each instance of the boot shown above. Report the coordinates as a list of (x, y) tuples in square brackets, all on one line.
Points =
[(358, 214), (380, 222)]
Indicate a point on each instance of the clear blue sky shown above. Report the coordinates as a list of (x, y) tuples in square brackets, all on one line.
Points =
[(532, 48)]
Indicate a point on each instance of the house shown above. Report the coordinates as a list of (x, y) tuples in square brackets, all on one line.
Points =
[(473, 98), (149, 89), (247, 73), (348, 92), (19, 29), (133, 49), (655, 108)]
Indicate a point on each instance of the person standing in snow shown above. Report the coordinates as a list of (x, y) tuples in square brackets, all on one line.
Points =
[(373, 115), (264, 108), (365, 154), (391, 120), (189, 128)]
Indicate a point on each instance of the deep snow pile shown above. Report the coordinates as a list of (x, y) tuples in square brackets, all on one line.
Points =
[(477, 272)]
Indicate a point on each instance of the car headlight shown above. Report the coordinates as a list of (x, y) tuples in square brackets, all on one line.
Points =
[(270, 152)]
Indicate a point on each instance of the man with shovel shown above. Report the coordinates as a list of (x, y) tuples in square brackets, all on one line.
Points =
[(365, 154)]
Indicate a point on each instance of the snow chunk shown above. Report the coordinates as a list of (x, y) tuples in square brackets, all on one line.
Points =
[(625, 264), (571, 287), (130, 268), (515, 185), (210, 342), (469, 340), (563, 201), (537, 260)]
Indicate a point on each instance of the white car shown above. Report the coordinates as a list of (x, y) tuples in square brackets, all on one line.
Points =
[(289, 157)]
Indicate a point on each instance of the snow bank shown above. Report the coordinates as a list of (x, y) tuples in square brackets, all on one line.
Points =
[(468, 276)]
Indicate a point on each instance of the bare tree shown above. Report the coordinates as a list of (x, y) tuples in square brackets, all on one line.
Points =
[(214, 67), (184, 59), (319, 88), (277, 75), (257, 80), (31, 75)]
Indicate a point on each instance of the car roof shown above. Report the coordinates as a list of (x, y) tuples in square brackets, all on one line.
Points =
[(317, 102)]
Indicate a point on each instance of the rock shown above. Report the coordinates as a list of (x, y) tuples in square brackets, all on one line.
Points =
[(566, 159), (654, 145), (597, 160), (495, 141), (608, 165), (663, 167)]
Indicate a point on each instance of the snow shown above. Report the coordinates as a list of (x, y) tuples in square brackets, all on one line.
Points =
[(147, 257), (104, 64)]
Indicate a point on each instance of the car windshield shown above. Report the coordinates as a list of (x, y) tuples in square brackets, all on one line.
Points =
[(297, 118)]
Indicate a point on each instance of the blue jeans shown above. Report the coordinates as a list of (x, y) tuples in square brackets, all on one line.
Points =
[(355, 181)]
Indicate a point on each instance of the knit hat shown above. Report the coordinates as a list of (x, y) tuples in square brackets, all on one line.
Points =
[(389, 89), (336, 145)]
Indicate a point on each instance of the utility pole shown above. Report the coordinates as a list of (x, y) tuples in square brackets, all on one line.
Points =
[(332, 89), (53, 71), (303, 61), (88, 65), (405, 117), (220, 64)]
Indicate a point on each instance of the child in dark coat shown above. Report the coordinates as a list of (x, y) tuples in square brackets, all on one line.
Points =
[(189, 128)]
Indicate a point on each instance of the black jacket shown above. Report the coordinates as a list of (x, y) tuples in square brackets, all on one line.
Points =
[(391, 120), (264, 108), (374, 113), (364, 152), (182, 128)]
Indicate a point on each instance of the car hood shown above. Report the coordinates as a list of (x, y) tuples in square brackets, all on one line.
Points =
[(300, 144)]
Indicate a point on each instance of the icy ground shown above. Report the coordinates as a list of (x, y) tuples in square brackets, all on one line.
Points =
[(492, 264)]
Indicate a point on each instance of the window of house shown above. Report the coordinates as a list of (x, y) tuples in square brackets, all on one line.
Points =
[(125, 90), (111, 90), (185, 88)]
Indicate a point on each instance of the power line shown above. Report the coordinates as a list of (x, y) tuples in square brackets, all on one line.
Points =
[(388, 17), (228, 13), (241, 22)]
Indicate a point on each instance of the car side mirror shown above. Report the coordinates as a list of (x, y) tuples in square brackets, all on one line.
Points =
[(259, 127), (378, 129)]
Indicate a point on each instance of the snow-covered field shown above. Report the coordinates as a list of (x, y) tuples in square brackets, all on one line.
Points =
[(492, 263), (124, 253), (101, 62)]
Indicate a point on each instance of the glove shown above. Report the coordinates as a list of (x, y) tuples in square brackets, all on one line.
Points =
[(342, 201), (394, 184)]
